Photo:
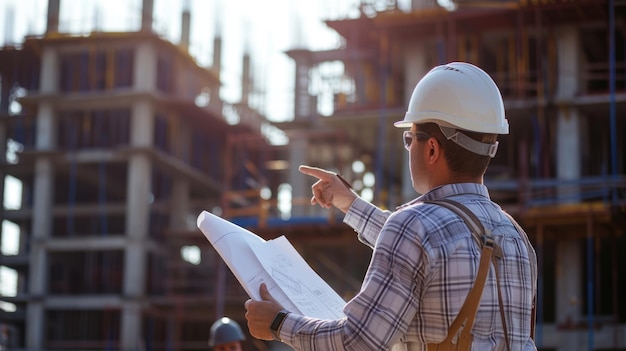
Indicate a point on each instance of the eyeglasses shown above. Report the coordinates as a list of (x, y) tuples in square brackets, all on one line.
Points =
[(408, 138)]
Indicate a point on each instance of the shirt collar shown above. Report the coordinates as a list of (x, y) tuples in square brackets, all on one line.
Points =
[(448, 190)]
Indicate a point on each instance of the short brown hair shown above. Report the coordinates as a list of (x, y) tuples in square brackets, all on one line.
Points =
[(460, 160)]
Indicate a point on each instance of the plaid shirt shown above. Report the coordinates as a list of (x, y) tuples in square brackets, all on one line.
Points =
[(423, 265)]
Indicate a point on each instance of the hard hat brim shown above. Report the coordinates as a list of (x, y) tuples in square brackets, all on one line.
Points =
[(410, 119)]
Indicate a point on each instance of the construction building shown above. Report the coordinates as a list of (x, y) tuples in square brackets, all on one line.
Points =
[(119, 143), (122, 140)]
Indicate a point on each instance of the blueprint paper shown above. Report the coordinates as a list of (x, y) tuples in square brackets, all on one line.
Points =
[(288, 277)]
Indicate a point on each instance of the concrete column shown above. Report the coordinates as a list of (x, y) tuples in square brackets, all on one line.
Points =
[(415, 66), (301, 186), (41, 224), (137, 224), (568, 291), (215, 103), (34, 321), (185, 28), (569, 62), (304, 106), (54, 7), (43, 189), (568, 131), (49, 71), (147, 10), (142, 124), (246, 83), (145, 72), (217, 56), (568, 153), (131, 327)]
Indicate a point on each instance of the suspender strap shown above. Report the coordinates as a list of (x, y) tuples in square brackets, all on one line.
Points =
[(502, 316), (467, 313)]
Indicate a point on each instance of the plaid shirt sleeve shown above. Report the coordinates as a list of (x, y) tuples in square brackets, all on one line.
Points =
[(384, 308), (367, 220)]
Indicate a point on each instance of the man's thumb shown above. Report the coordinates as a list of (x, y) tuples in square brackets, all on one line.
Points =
[(265, 293)]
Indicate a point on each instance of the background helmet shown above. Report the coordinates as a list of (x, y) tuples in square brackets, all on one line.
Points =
[(457, 95), (225, 330)]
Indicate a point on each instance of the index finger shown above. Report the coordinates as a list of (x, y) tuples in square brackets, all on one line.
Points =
[(318, 173)]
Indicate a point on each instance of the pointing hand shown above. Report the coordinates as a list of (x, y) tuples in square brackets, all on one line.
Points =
[(330, 189)]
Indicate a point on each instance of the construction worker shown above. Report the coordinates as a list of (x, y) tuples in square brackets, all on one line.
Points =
[(226, 335), (425, 260)]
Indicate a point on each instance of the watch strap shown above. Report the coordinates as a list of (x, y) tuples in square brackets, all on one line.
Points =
[(277, 323)]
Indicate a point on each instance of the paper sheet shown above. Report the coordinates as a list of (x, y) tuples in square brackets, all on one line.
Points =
[(253, 261)]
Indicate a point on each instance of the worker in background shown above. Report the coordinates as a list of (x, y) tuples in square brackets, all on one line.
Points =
[(226, 335), (425, 261)]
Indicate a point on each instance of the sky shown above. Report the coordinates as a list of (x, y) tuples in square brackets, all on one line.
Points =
[(264, 29)]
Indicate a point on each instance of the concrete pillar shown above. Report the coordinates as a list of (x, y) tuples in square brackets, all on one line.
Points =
[(569, 300), (568, 153), (215, 103), (54, 7), (137, 224), (49, 71), (41, 223), (34, 321), (217, 55), (304, 107), (568, 128), (185, 28), (416, 67), (246, 83), (147, 10), (43, 188), (568, 65), (145, 72), (301, 185), (142, 124), (131, 327)]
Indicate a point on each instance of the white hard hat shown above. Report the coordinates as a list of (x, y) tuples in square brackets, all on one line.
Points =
[(458, 95)]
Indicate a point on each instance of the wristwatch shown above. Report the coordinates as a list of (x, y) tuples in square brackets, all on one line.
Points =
[(277, 323)]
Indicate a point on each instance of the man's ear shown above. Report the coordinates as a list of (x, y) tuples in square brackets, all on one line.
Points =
[(434, 150)]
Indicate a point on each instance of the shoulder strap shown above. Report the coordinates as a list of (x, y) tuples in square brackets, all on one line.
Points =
[(465, 318)]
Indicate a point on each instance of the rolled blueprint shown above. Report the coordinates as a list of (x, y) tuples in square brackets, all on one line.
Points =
[(288, 277)]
